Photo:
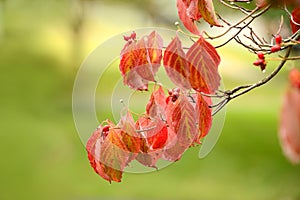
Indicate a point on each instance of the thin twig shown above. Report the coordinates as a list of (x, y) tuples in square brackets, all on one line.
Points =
[(250, 15)]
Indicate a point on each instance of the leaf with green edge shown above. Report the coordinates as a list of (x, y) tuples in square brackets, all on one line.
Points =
[(203, 63), (176, 64), (181, 118), (206, 8), (140, 61)]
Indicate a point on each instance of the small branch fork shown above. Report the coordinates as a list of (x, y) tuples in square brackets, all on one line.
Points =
[(228, 95), (242, 24)]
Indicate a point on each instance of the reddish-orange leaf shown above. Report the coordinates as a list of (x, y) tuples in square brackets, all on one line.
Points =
[(185, 113), (289, 131), (176, 65), (130, 58), (158, 136), (155, 135), (204, 116), (107, 153), (181, 118), (203, 63), (130, 137), (114, 152), (155, 132), (188, 13), (143, 64), (206, 8), (192, 9), (140, 61), (295, 20), (157, 104), (90, 147)]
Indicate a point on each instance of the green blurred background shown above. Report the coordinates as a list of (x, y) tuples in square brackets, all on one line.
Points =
[(42, 45)]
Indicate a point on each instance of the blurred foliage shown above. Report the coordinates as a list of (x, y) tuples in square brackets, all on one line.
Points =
[(42, 46)]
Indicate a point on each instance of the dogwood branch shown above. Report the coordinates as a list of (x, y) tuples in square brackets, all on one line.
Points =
[(241, 90)]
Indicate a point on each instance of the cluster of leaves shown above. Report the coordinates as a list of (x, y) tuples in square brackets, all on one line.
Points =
[(172, 122), (190, 11), (175, 121), (169, 126)]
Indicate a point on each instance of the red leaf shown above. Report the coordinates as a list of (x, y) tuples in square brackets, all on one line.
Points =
[(192, 9), (181, 118), (289, 130), (159, 139), (295, 20), (155, 136), (188, 13), (107, 154), (90, 147), (154, 132), (157, 104), (176, 65), (206, 8), (204, 116), (204, 61), (140, 61)]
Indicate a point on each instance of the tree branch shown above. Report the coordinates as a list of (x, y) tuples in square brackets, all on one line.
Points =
[(241, 90)]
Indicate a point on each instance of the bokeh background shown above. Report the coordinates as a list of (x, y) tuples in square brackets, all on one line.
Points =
[(43, 43)]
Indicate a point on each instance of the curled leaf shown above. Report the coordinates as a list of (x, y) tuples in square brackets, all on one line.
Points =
[(190, 11), (140, 61), (188, 14), (206, 8), (108, 154)]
